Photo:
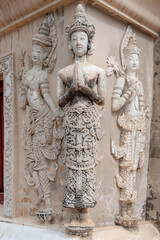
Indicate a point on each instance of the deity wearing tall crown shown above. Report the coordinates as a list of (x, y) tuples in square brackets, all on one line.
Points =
[(40, 140), (128, 101), (76, 93)]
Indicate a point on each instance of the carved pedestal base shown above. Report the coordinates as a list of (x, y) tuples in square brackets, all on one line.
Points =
[(128, 222), (45, 215), (80, 228)]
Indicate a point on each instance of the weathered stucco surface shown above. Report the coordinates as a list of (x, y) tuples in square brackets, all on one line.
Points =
[(109, 32), (16, 13), (153, 196)]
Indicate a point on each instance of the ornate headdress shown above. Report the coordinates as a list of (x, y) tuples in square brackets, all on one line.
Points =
[(42, 37), (128, 45), (80, 23), (47, 37)]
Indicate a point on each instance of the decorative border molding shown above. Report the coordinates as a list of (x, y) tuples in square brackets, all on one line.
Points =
[(115, 8), (39, 12), (6, 68)]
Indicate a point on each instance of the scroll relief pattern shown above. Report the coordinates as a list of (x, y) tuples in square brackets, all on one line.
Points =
[(128, 101), (6, 68), (76, 92), (41, 138)]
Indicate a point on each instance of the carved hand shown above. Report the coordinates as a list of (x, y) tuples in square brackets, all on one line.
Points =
[(43, 142), (81, 82), (132, 91), (133, 85), (80, 86), (78, 79), (54, 115), (73, 89)]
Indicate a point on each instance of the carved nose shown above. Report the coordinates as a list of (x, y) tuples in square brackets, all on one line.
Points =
[(34, 55), (78, 41)]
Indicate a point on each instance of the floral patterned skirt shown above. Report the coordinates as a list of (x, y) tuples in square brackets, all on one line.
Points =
[(81, 128)]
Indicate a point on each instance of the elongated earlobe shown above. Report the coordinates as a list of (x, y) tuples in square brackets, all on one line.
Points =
[(71, 50)]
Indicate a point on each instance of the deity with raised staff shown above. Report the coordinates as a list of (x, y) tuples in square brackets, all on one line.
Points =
[(128, 101)]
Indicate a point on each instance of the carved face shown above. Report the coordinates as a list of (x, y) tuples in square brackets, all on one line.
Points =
[(79, 43), (38, 54), (132, 62)]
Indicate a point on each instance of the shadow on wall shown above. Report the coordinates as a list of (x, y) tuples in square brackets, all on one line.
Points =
[(153, 193)]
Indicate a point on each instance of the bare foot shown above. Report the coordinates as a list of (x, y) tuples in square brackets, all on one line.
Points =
[(74, 223), (87, 222)]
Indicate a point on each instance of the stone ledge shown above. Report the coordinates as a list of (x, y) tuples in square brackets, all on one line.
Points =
[(12, 231), (141, 14)]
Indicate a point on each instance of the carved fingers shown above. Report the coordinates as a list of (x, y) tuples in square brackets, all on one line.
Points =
[(73, 89), (147, 110)]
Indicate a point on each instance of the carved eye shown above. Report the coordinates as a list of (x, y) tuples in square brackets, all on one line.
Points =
[(83, 37), (74, 39)]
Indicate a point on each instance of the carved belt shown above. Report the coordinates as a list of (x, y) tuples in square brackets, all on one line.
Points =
[(80, 166), (81, 109), (81, 117), (127, 122), (35, 114)]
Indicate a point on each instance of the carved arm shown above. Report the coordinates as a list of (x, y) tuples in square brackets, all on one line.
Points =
[(50, 104), (44, 86), (141, 102), (119, 99), (23, 98), (141, 98), (64, 97)]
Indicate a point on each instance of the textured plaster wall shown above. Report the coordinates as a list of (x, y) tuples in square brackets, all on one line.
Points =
[(109, 33), (153, 195)]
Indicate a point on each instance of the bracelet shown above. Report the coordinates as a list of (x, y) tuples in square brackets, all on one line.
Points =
[(125, 96), (130, 90)]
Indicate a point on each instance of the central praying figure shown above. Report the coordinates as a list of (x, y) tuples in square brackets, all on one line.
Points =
[(79, 86)]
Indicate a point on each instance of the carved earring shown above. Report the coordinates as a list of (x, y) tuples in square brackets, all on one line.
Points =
[(69, 46), (89, 46), (71, 50)]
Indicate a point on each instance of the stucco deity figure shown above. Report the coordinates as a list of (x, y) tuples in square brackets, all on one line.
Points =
[(76, 92), (40, 145), (128, 101)]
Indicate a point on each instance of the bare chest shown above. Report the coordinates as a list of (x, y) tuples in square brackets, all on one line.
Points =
[(32, 82), (85, 75)]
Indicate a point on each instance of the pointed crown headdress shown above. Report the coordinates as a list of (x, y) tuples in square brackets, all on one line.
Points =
[(128, 45), (47, 37), (42, 37), (80, 23)]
